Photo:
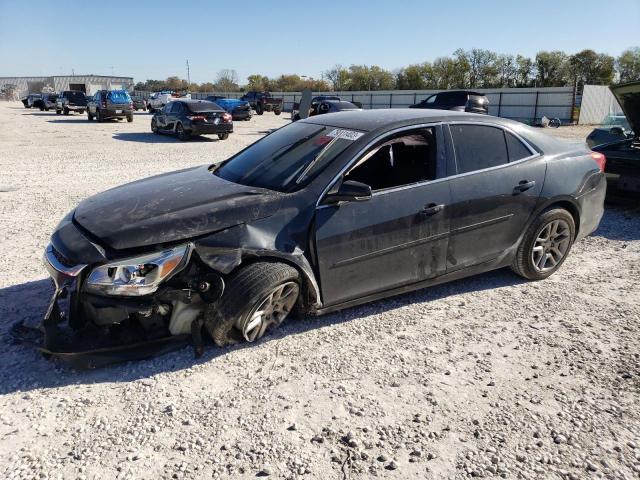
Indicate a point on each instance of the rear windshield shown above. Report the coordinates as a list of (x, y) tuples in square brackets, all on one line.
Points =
[(75, 96), (119, 96), (203, 106), (288, 158)]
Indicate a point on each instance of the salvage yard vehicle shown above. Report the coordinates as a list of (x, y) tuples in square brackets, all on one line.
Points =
[(623, 155), (158, 100), (320, 106), (613, 128), (322, 214), (263, 102), (71, 101), (30, 99), (186, 118), (239, 109), (457, 100), (46, 102), (139, 103), (107, 104)]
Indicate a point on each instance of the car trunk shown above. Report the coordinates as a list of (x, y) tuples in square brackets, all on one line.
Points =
[(628, 96)]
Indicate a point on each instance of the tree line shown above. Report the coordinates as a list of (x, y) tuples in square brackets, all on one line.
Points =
[(475, 68)]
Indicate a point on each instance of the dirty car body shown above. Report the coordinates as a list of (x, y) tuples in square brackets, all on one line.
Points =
[(353, 207)]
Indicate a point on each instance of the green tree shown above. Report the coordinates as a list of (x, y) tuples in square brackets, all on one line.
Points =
[(415, 77), (592, 68), (363, 77), (338, 77), (524, 70), (551, 69), (628, 65), (257, 82), (507, 71)]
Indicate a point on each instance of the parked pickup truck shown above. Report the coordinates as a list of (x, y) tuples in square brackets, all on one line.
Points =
[(71, 101), (158, 100), (263, 101)]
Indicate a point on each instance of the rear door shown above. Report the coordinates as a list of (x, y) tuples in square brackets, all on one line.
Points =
[(494, 192), (397, 237)]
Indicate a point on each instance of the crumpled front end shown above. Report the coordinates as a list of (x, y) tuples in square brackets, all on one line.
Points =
[(89, 327)]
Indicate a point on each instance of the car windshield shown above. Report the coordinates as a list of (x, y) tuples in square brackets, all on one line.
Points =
[(203, 106), (616, 121), (288, 158)]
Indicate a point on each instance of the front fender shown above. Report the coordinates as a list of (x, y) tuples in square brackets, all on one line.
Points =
[(228, 249)]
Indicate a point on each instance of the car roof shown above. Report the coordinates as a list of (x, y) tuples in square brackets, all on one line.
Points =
[(369, 120)]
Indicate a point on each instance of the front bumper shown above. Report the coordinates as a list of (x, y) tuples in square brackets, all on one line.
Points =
[(71, 329), (242, 114)]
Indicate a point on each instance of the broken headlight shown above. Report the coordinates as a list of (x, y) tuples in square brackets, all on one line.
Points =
[(139, 275)]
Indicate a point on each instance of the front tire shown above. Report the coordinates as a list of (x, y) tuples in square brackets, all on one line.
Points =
[(259, 109), (154, 126), (58, 112), (130, 118), (223, 136), (257, 297), (100, 116), (545, 245), (66, 111), (89, 116), (277, 112)]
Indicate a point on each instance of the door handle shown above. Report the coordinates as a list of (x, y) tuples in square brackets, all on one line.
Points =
[(524, 185), (431, 209)]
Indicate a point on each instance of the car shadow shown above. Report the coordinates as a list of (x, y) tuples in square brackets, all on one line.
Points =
[(25, 369), (621, 220), (149, 137), (79, 119)]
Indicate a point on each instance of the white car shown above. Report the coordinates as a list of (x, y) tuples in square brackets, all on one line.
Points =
[(158, 100)]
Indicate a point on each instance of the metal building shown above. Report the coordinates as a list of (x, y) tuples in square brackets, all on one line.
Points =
[(88, 84)]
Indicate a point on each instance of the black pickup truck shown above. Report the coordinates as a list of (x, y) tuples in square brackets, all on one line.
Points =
[(263, 101)]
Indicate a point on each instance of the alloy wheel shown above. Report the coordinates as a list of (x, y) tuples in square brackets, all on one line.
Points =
[(551, 245), (271, 310)]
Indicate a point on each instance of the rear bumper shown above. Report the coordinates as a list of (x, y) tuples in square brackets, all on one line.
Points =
[(113, 113), (204, 129), (241, 114), (592, 206), (75, 107)]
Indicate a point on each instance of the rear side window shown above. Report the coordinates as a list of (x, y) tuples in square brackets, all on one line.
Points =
[(516, 148), (478, 147)]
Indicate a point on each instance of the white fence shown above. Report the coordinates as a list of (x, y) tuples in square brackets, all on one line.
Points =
[(524, 104), (597, 103)]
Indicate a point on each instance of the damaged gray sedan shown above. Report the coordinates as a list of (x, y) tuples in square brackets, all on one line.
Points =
[(322, 214)]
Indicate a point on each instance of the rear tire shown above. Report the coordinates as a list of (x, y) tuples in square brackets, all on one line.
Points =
[(154, 126), (89, 116), (277, 112), (182, 133), (223, 136), (81, 112), (545, 245), (100, 116), (130, 118), (66, 111), (58, 112), (259, 109), (246, 290), (42, 109)]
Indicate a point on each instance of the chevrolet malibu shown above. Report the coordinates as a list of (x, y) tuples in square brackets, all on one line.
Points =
[(323, 214)]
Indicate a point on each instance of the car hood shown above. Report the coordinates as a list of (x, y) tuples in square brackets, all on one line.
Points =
[(171, 207), (628, 96)]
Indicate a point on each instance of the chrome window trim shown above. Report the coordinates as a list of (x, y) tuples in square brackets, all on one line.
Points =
[(533, 151)]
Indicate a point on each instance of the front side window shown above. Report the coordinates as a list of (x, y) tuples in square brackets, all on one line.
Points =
[(478, 147), (400, 160), (288, 158)]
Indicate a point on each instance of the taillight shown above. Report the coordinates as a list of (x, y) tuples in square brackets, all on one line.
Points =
[(600, 159), (227, 117), (196, 117)]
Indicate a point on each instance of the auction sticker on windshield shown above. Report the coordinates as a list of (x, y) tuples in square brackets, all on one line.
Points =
[(346, 134)]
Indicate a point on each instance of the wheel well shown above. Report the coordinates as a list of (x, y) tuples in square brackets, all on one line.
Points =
[(571, 208), (309, 297)]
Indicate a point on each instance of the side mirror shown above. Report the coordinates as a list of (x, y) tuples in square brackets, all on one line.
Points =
[(349, 191), (617, 130)]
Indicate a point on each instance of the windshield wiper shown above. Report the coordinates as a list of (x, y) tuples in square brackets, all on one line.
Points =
[(316, 159)]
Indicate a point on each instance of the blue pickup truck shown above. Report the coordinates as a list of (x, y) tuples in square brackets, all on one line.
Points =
[(239, 109)]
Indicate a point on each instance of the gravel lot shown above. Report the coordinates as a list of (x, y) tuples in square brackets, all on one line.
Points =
[(488, 376)]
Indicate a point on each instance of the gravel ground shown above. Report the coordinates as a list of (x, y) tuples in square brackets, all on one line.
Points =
[(488, 376)]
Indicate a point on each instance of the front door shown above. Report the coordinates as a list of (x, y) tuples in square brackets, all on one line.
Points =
[(495, 191), (397, 237)]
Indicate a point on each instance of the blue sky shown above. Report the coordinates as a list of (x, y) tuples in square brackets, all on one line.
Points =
[(45, 37)]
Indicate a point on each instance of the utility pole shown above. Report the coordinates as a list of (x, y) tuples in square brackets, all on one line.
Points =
[(188, 77)]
